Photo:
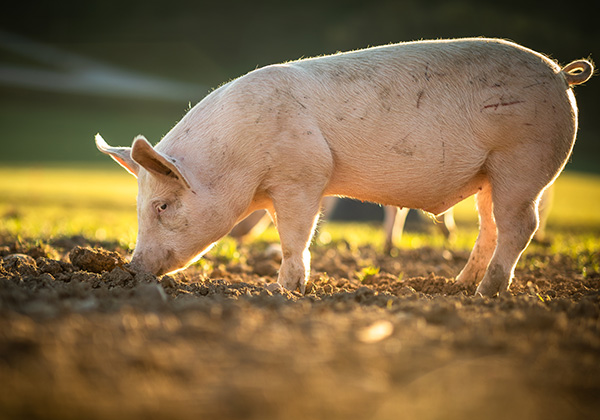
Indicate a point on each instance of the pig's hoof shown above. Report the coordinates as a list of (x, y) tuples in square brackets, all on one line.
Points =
[(496, 280), (274, 287), (468, 277), (387, 249), (302, 288), (295, 285), (486, 290), (490, 288)]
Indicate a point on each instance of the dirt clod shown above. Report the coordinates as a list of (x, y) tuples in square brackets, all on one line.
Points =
[(20, 263), (95, 260), (118, 277), (50, 266)]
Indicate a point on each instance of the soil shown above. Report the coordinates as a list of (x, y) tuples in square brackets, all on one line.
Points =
[(83, 336)]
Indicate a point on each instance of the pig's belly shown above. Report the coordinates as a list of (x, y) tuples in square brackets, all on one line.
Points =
[(434, 191)]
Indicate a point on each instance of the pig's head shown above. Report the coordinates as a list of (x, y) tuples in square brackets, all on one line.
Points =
[(176, 223)]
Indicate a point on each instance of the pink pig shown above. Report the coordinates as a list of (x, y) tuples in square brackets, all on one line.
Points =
[(420, 125)]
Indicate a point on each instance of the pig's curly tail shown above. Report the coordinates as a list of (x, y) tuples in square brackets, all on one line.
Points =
[(578, 72)]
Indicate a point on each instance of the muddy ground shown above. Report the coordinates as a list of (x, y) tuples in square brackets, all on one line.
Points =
[(83, 337)]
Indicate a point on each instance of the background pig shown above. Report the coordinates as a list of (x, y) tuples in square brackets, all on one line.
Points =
[(419, 125)]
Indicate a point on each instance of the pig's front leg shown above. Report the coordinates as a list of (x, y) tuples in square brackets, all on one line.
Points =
[(295, 218)]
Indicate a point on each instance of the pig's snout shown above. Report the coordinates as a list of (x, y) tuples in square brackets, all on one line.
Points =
[(138, 264), (154, 264)]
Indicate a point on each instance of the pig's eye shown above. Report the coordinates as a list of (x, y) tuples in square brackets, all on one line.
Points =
[(161, 207)]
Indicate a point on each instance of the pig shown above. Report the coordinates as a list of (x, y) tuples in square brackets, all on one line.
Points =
[(420, 124)]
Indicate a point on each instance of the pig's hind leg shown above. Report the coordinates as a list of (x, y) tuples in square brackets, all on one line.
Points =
[(515, 195), (486, 240)]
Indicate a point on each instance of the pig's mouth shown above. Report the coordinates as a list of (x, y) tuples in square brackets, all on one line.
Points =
[(161, 270), (155, 265), (160, 266), (164, 271), (170, 264)]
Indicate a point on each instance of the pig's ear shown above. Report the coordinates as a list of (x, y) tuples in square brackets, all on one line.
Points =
[(122, 155), (156, 163)]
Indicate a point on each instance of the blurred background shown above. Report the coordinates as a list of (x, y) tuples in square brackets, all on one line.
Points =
[(71, 68)]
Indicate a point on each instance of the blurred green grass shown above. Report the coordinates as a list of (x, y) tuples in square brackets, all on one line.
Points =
[(99, 202), (44, 202)]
